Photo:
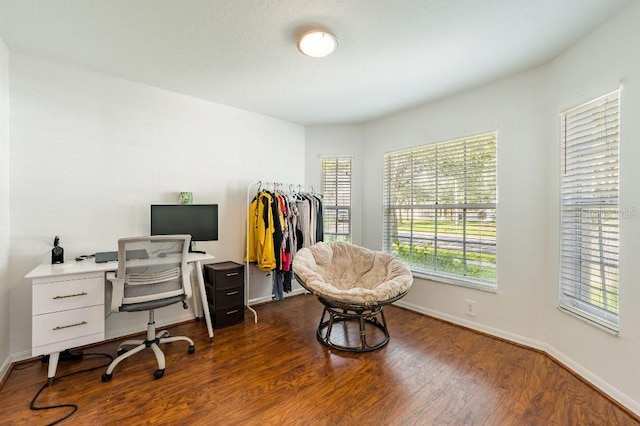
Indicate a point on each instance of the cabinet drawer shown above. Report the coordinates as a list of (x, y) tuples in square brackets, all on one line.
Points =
[(67, 325), (64, 295), (227, 316), (225, 274), (229, 297), (227, 279)]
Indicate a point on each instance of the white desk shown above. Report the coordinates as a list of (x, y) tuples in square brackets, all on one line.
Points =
[(68, 305)]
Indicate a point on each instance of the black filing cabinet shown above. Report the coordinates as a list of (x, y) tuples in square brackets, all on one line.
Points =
[(224, 284)]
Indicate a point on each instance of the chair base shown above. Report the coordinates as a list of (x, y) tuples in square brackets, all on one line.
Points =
[(363, 316), (152, 342)]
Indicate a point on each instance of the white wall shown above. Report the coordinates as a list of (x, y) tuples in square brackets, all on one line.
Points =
[(594, 67), (525, 111), (89, 153), (4, 211), (509, 107)]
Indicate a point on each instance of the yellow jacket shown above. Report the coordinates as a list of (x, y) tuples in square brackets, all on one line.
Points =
[(260, 248)]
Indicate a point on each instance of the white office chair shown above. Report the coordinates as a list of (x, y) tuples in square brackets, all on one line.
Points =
[(152, 273)]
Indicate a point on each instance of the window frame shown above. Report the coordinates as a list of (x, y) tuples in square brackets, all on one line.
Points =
[(586, 207), (337, 189), (467, 240)]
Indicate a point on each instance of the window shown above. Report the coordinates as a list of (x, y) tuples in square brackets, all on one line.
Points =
[(440, 209), (336, 198), (589, 211)]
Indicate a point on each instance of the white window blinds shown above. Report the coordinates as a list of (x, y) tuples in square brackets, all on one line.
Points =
[(589, 212), (440, 209), (336, 198)]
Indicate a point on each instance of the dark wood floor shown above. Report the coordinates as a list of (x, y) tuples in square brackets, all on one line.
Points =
[(275, 372)]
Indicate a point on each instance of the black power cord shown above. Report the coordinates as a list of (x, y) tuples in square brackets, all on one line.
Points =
[(73, 407)]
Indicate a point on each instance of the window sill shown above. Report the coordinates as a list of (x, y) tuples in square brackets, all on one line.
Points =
[(589, 319), (476, 285)]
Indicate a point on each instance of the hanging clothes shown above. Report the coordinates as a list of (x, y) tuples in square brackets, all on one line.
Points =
[(285, 254), (278, 232), (319, 235), (304, 221), (293, 220), (278, 225), (260, 241), (278, 285)]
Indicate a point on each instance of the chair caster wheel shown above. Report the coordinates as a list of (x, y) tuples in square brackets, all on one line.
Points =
[(158, 374), (106, 377), (210, 339), (191, 349)]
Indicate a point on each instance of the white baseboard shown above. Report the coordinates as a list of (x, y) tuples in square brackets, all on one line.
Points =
[(595, 381), (576, 368), (20, 356), (512, 337), (4, 369), (6, 364)]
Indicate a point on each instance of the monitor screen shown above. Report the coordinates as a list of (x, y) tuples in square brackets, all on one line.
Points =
[(198, 220)]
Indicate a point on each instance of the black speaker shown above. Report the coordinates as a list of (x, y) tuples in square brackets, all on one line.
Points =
[(57, 253)]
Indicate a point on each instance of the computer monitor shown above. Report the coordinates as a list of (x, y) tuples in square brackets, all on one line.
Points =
[(198, 220)]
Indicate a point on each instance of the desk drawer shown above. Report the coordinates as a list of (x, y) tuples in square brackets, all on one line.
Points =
[(63, 295), (67, 325)]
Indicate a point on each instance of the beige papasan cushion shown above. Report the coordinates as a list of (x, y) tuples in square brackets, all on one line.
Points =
[(351, 274)]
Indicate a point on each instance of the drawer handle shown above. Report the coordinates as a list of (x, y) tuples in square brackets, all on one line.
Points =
[(232, 312), (232, 274), (61, 327), (231, 293), (84, 293)]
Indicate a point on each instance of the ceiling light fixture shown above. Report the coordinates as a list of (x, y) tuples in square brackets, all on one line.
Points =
[(317, 44)]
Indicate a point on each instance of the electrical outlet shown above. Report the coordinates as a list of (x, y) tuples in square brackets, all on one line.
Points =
[(470, 307)]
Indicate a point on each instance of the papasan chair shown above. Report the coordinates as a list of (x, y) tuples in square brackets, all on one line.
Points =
[(353, 283)]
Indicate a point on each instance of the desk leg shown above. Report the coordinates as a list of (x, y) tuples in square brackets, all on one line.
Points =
[(53, 366), (203, 298)]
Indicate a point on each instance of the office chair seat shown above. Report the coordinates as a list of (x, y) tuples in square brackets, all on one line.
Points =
[(152, 304), (161, 279)]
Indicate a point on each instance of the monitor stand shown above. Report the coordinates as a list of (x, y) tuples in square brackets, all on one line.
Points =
[(192, 246)]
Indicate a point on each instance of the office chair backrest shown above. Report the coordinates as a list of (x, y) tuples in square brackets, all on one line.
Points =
[(154, 267)]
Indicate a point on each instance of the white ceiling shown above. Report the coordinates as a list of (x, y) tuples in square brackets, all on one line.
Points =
[(392, 54)]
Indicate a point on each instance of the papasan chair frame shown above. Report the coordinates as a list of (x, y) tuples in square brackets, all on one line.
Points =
[(351, 290)]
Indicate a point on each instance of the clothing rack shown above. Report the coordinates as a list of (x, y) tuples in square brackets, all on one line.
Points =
[(252, 189)]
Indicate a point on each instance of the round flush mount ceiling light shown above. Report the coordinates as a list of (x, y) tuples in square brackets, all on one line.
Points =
[(317, 44)]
